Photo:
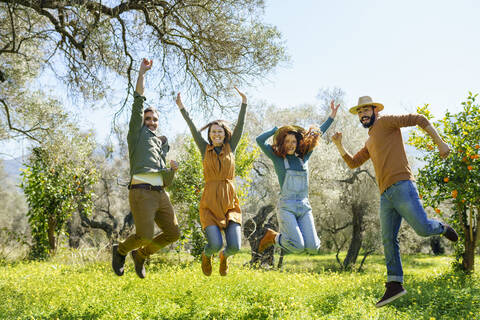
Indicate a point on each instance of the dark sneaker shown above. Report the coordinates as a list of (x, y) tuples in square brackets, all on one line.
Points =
[(268, 240), (118, 261), (223, 265), (394, 291), (139, 264), (450, 233), (206, 264)]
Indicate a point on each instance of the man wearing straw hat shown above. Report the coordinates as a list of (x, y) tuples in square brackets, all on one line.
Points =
[(398, 194)]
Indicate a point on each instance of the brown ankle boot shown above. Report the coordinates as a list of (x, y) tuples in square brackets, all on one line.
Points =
[(223, 265), (139, 263), (206, 264), (268, 240), (118, 261)]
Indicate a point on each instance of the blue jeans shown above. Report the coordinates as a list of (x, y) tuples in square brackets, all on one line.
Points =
[(215, 242), (399, 201), (296, 226)]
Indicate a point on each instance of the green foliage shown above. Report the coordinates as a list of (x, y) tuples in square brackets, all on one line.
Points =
[(186, 194), (455, 181), (188, 184), (84, 288), (57, 182), (245, 155)]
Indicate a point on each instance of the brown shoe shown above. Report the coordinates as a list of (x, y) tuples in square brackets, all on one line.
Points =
[(223, 265), (450, 233), (268, 240), (206, 264), (139, 264), (394, 291), (118, 261)]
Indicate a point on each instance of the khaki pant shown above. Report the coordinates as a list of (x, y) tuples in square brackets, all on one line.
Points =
[(149, 207)]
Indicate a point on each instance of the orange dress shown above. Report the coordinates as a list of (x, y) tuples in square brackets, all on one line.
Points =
[(219, 203)]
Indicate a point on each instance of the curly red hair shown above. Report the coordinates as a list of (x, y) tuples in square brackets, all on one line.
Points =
[(306, 141)]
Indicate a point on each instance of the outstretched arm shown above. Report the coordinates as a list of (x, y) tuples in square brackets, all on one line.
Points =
[(237, 133), (265, 147), (443, 147), (324, 127), (353, 162), (410, 120), (144, 67), (136, 118), (197, 136)]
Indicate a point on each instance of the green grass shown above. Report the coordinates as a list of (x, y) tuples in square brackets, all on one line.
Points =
[(81, 285)]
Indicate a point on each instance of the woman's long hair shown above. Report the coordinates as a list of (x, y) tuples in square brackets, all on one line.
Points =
[(220, 123), (306, 141)]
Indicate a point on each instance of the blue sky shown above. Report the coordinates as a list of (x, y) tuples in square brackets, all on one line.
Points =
[(402, 53)]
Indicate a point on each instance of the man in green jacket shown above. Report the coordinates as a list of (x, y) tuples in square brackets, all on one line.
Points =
[(149, 202)]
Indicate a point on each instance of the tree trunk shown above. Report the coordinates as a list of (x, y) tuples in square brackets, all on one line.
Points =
[(75, 231), (468, 260), (471, 239), (253, 231), (358, 212)]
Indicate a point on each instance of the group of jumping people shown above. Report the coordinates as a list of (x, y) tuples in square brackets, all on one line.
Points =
[(290, 151)]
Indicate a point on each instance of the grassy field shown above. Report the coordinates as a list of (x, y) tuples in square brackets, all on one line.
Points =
[(81, 285)]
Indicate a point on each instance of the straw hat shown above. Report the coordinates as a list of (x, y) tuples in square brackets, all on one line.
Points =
[(365, 101), (287, 129)]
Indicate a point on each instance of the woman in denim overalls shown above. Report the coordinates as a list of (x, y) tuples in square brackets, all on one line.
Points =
[(291, 149)]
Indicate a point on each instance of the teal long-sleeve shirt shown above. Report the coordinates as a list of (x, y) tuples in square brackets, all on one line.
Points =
[(293, 160)]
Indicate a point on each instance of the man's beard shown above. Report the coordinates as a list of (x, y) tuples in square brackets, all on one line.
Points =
[(369, 123)]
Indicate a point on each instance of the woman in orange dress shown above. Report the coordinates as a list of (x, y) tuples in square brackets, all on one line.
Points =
[(219, 205)]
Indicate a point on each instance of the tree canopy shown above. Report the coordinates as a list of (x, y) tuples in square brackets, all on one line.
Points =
[(203, 46)]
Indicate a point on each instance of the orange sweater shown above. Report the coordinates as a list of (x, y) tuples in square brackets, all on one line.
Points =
[(385, 147)]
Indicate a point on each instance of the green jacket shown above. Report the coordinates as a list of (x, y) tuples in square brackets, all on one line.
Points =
[(147, 150)]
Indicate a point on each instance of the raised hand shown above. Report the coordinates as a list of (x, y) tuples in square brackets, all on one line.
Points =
[(334, 109), (145, 65), (179, 102), (173, 165), (244, 97), (337, 138), (444, 150)]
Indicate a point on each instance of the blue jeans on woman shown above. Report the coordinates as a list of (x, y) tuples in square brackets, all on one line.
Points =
[(215, 241), (398, 201)]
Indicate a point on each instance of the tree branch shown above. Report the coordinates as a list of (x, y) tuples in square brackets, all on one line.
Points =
[(25, 132)]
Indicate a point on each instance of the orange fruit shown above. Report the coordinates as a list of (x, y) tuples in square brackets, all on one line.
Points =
[(463, 200), (454, 194), (420, 196), (464, 159), (437, 210), (477, 146), (445, 179), (469, 167)]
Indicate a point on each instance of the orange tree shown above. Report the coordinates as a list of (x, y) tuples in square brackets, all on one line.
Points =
[(455, 181)]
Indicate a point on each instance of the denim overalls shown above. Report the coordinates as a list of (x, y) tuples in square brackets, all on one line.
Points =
[(295, 219)]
